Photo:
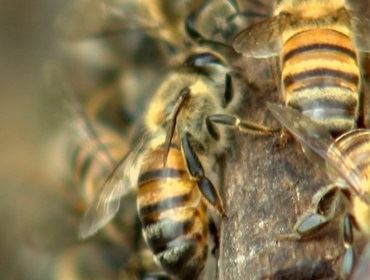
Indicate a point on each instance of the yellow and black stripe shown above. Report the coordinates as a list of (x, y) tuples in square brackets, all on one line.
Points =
[(321, 77), (355, 144), (173, 214)]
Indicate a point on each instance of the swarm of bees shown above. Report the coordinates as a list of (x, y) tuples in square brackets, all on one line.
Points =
[(171, 161)]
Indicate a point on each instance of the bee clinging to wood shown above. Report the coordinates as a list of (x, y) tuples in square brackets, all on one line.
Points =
[(348, 167), (318, 45), (186, 124)]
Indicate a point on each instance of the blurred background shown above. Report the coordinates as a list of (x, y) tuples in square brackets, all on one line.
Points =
[(54, 57), (38, 204), (29, 116)]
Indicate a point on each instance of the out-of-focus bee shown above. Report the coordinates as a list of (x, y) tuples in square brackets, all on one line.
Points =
[(362, 270), (215, 22), (167, 18), (175, 25), (348, 167), (318, 44), (187, 119)]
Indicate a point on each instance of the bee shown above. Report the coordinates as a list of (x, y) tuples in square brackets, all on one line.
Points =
[(347, 165), (185, 126), (318, 45), (215, 22), (167, 18), (362, 270)]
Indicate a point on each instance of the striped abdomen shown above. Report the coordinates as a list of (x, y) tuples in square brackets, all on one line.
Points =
[(173, 215), (320, 77), (356, 145)]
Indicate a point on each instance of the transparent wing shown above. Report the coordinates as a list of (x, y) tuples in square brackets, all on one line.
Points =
[(360, 32), (360, 27), (319, 140), (303, 128), (106, 204), (262, 39)]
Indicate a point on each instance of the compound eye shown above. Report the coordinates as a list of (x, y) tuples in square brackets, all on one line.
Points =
[(203, 60)]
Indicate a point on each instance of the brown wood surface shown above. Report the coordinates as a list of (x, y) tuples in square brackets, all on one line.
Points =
[(266, 189)]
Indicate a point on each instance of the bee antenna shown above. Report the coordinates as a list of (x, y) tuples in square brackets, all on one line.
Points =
[(183, 97)]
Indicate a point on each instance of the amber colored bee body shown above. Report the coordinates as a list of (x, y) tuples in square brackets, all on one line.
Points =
[(186, 126), (172, 213), (355, 145), (321, 77), (318, 45)]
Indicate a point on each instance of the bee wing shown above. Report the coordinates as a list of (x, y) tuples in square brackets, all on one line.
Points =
[(303, 128), (106, 204), (262, 39), (318, 138), (360, 32), (360, 27)]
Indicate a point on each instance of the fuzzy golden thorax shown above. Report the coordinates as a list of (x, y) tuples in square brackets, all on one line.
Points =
[(309, 8)]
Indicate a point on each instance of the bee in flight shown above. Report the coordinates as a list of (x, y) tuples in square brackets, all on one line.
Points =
[(184, 128), (318, 44), (348, 167)]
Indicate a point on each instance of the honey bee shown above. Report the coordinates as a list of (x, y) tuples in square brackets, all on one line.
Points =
[(185, 126), (168, 19), (215, 22), (318, 44), (362, 270), (347, 165)]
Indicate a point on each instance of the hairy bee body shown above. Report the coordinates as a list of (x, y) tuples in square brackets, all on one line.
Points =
[(172, 213), (173, 164), (355, 145), (318, 44), (321, 76)]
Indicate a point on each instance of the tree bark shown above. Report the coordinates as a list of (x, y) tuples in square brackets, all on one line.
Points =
[(265, 190)]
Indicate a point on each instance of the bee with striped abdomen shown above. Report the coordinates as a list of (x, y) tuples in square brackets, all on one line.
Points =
[(184, 128), (348, 167), (318, 43)]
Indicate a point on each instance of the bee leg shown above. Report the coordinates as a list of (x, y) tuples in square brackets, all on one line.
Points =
[(229, 90), (215, 235), (349, 254), (243, 126), (196, 170), (317, 216), (181, 100), (283, 139)]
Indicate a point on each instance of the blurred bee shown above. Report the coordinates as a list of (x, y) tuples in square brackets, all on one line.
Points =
[(348, 167), (187, 119), (362, 270), (215, 22), (318, 44), (175, 25)]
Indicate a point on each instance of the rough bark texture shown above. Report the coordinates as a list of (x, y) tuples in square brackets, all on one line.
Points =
[(266, 189)]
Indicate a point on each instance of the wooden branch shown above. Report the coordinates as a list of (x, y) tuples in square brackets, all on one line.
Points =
[(266, 189)]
